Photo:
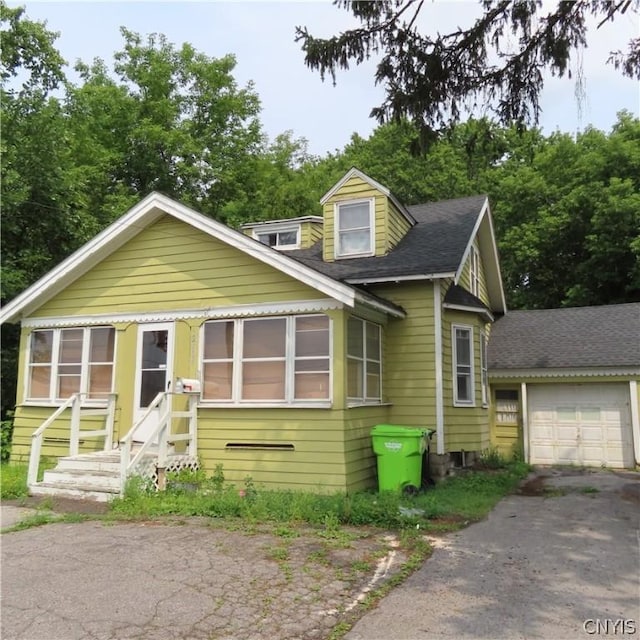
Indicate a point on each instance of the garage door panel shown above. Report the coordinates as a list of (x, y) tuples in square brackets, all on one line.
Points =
[(582, 424)]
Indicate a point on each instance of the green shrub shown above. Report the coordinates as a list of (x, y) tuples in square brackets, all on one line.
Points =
[(6, 433)]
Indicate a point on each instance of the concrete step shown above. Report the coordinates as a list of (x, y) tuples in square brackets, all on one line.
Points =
[(100, 479), (79, 492)]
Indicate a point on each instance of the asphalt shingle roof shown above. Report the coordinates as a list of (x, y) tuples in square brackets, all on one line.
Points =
[(435, 244), (458, 296), (604, 336)]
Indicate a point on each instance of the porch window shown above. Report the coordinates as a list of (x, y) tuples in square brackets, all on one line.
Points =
[(462, 338), (354, 229), (364, 366), (282, 360), (67, 361)]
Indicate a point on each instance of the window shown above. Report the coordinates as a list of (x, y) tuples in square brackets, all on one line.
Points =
[(276, 360), (280, 239), (507, 406), (463, 365), (67, 361), (354, 229), (484, 373), (364, 371), (474, 271)]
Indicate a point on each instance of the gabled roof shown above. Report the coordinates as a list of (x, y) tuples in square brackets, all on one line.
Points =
[(145, 213), (356, 173), (436, 246), (571, 338), (461, 299)]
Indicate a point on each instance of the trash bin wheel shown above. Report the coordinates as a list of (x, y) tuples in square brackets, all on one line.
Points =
[(410, 490)]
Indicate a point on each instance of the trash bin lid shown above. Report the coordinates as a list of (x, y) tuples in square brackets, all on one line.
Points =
[(398, 431)]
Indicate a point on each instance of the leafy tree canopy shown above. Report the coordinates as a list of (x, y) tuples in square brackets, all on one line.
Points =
[(497, 62)]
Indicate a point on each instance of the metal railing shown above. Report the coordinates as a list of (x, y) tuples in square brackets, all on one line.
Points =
[(78, 412), (161, 437)]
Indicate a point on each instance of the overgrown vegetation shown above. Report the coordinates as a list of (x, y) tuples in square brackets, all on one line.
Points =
[(13, 478), (454, 501)]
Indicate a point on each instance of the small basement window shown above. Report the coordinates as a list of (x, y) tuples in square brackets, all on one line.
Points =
[(261, 446)]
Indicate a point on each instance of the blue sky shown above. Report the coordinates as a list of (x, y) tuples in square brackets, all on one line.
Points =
[(261, 36)]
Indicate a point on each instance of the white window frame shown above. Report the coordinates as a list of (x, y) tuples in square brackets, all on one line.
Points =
[(289, 360), (470, 402), (474, 271), (277, 229), (484, 370), (363, 399), (53, 399), (372, 228)]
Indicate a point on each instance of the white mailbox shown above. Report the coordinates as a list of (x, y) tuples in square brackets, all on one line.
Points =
[(187, 385)]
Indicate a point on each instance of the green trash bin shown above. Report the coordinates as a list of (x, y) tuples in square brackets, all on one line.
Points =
[(399, 451)]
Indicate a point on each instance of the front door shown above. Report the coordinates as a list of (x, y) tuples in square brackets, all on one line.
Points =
[(154, 370)]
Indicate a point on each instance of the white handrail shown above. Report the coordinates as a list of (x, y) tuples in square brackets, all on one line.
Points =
[(75, 402), (161, 434), (36, 439)]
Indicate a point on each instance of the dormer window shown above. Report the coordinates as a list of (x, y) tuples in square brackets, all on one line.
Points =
[(279, 238), (355, 228)]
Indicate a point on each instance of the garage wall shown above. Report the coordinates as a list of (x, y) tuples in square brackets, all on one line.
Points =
[(579, 420)]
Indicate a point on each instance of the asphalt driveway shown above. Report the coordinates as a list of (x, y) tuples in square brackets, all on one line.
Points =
[(560, 561), (542, 565)]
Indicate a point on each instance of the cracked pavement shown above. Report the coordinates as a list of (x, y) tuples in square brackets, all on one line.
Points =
[(106, 580)]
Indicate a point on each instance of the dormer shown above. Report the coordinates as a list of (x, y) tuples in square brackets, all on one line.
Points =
[(361, 219), (291, 233)]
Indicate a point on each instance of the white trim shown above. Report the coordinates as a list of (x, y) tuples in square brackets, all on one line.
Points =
[(365, 359), (485, 213), (133, 222), (372, 228), (461, 307), (267, 223), (524, 412), (635, 419), (380, 305), (356, 173), (497, 374), (277, 229), (419, 276), (233, 311), (472, 238), (484, 368), (52, 400), (437, 317), (289, 359), (472, 364)]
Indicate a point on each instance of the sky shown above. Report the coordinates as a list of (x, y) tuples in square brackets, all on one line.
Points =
[(261, 36)]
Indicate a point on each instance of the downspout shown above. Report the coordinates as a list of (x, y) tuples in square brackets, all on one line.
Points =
[(437, 321), (635, 419), (525, 420)]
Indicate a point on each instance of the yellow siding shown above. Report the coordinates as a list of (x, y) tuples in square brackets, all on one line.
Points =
[(355, 189), (506, 437), (465, 277), (172, 266), (398, 226), (310, 233), (465, 428)]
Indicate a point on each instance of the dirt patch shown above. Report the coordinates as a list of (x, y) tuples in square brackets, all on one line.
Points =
[(533, 487), (61, 505), (631, 492)]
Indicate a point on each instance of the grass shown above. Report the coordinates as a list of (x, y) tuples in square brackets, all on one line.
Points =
[(13, 478), (453, 502)]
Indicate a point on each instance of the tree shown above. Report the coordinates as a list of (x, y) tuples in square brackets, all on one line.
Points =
[(432, 79)]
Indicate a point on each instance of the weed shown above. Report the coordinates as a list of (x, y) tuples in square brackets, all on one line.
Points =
[(278, 553), (491, 458), (285, 532), (590, 490), (217, 479)]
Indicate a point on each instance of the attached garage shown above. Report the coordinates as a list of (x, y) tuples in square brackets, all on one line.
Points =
[(573, 378), (582, 424)]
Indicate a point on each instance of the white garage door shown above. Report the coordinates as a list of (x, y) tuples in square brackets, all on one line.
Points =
[(580, 424)]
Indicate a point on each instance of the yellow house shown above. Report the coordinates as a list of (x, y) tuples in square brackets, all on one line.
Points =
[(171, 340)]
